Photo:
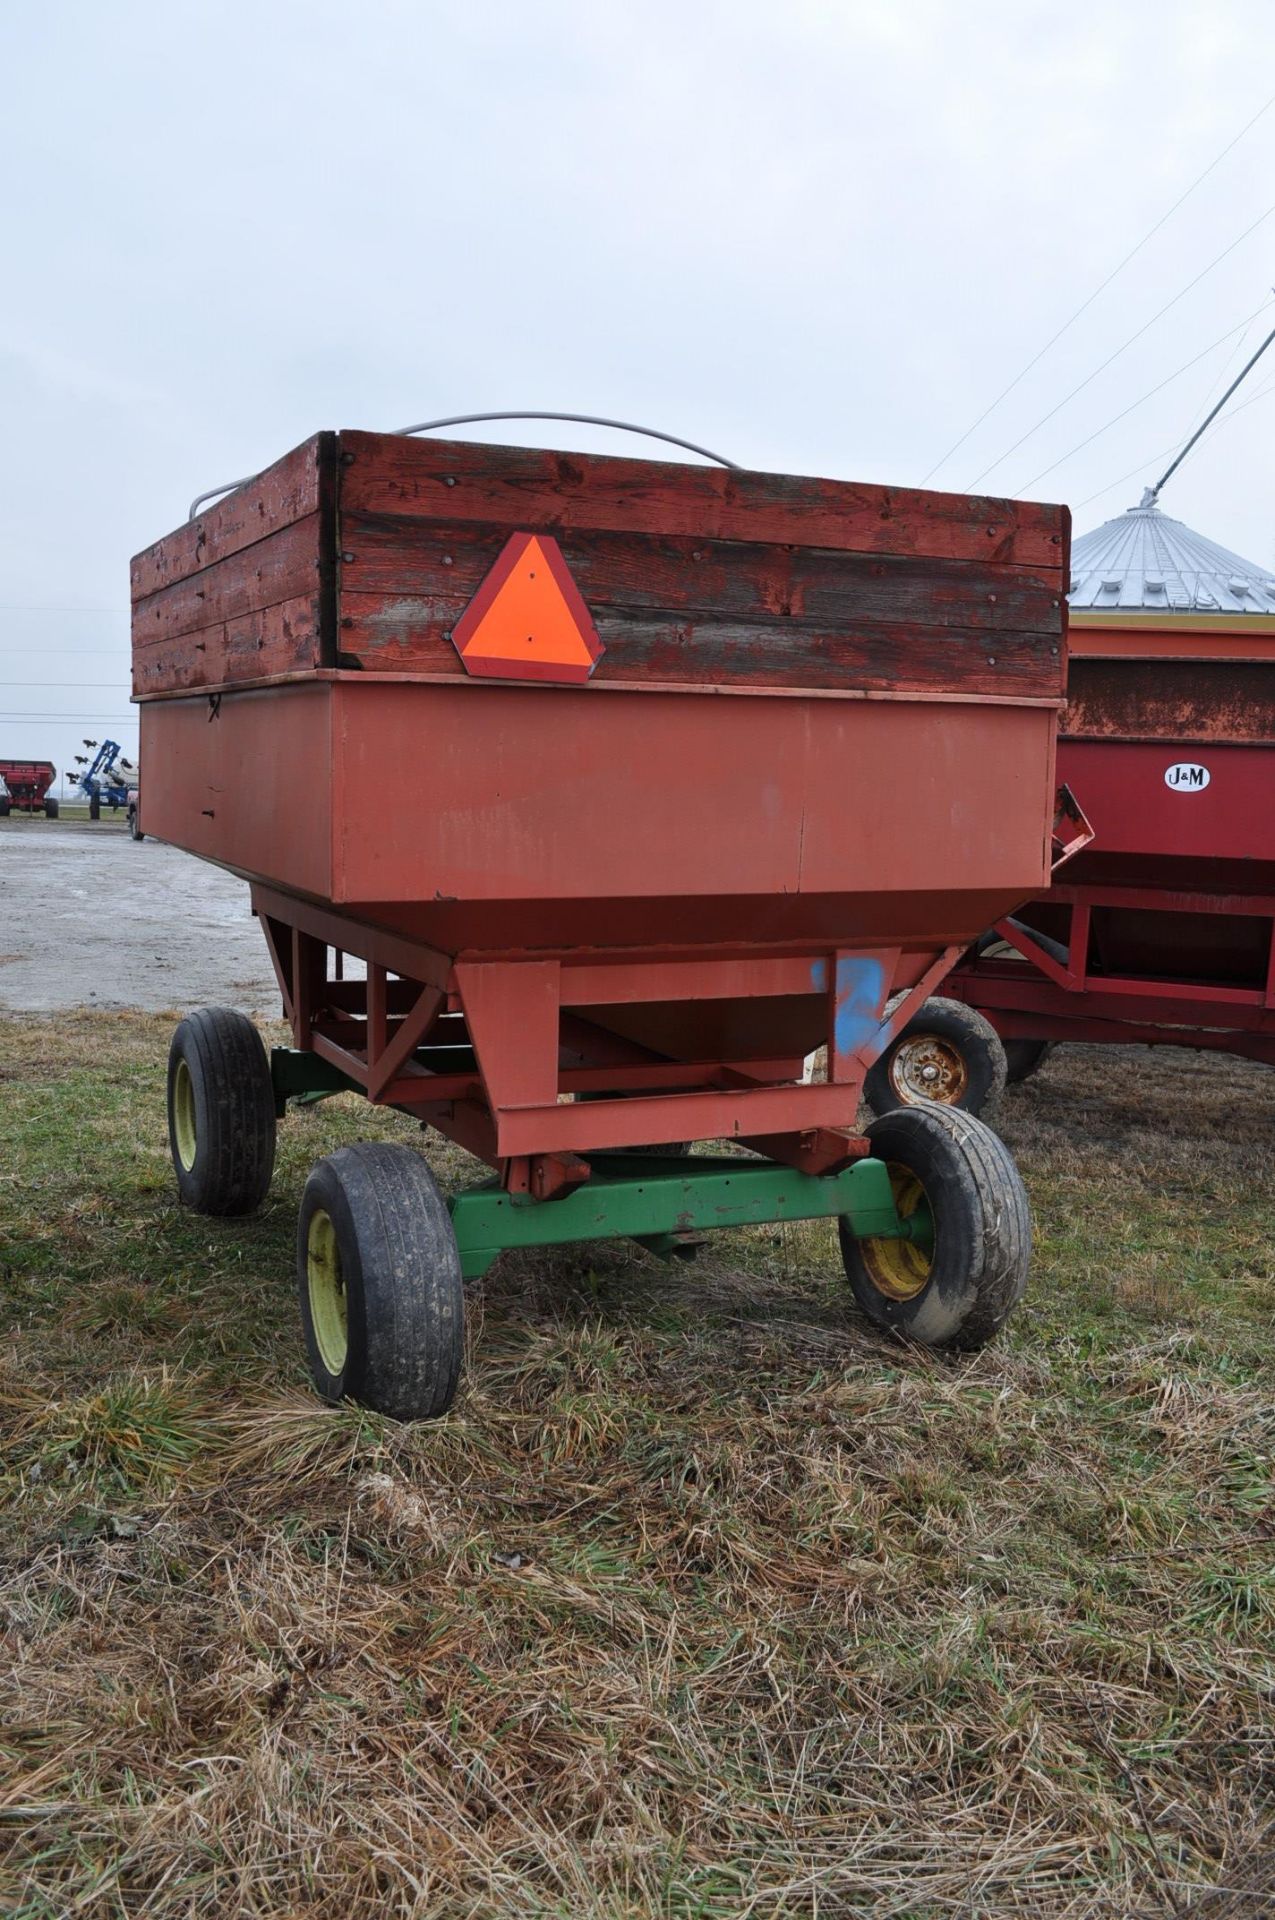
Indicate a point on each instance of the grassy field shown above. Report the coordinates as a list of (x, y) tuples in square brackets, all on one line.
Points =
[(706, 1601)]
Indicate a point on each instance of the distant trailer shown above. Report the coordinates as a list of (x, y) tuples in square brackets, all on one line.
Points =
[(28, 783)]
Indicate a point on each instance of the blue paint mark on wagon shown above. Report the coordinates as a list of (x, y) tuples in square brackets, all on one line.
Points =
[(819, 976), (860, 995)]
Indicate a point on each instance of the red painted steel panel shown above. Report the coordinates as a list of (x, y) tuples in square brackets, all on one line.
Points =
[(1133, 810), (245, 780), (473, 815)]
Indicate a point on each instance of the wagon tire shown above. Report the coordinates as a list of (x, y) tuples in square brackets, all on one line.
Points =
[(95, 808), (960, 1293), (380, 1285), (947, 1053), (221, 1112), (50, 809), (1023, 1058), (134, 829), (6, 807)]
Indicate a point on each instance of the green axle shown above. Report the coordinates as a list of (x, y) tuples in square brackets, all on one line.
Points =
[(655, 1199)]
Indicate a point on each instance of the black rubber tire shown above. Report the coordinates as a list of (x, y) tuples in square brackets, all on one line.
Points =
[(400, 1274), (234, 1112), (957, 1029), (95, 808), (6, 808), (50, 809), (134, 830), (1023, 1058), (982, 1229)]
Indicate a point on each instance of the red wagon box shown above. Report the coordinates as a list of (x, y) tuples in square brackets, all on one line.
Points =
[(631, 781), (1162, 931)]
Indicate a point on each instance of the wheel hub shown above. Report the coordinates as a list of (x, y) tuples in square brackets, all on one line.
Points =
[(900, 1269), (329, 1314), (184, 1116), (925, 1066)]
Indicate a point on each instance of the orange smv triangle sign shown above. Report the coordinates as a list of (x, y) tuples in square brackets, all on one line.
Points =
[(527, 621)]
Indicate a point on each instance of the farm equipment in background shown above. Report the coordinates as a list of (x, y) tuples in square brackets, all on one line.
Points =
[(108, 778), (27, 784)]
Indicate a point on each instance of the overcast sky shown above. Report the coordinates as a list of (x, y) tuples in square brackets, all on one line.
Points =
[(818, 237)]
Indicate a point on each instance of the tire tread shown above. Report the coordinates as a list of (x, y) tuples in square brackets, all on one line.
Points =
[(235, 1159)]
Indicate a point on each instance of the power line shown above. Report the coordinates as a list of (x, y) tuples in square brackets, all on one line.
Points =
[(1101, 288), (1151, 458), (13, 609), (81, 686), (1133, 406), (1111, 357)]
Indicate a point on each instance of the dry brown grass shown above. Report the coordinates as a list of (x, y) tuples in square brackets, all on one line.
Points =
[(705, 1601)]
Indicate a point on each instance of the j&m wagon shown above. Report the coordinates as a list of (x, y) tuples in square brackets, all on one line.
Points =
[(1161, 931)]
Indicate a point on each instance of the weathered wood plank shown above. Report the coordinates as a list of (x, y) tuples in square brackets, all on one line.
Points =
[(286, 491), (721, 579), (403, 633), (546, 491), (251, 646), (285, 566)]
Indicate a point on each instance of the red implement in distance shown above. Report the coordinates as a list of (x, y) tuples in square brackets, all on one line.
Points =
[(808, 755), (28, 783)]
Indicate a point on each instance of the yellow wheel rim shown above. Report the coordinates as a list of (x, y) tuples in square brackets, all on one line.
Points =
[(184, 1116), (925, 1066), (326, 1290), (900, 1269)]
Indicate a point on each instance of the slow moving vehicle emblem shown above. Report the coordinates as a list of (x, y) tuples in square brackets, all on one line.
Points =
[(528, 620)]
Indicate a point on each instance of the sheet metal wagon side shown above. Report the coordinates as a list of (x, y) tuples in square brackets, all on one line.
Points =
[(628, 785), (1162, 932)]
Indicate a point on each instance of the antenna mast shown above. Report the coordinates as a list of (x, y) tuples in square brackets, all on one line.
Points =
[(1152, 494)]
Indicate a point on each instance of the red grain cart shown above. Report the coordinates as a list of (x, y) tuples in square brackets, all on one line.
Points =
[(27, 783), (629, 785), (1162, 931)]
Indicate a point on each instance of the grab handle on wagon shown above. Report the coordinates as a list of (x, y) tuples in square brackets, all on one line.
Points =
[(473, 419), (578, 419)]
